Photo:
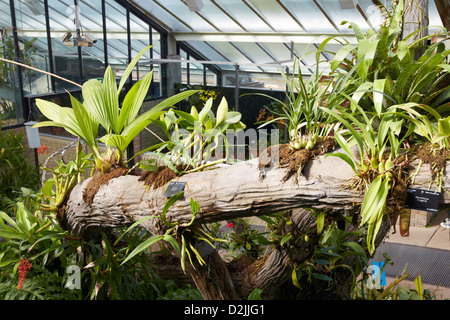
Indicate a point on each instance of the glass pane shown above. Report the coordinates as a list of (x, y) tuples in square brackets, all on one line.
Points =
[(116, 27), (10, 107), (31, 31), (245, 16), (92, 34), (218, 18), (65, 54), (276, 16), (309, 16), (338, 15), (174, 14), (210, 52)]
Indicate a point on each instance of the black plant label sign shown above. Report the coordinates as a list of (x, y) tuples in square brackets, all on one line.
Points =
[(173, 188), (425, 200)]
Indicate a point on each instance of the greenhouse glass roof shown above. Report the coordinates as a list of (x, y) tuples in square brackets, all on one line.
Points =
[(257, 35), (264, 31)]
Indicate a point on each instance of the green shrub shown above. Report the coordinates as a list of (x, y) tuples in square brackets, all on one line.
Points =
[(15, 170), (33, 236)]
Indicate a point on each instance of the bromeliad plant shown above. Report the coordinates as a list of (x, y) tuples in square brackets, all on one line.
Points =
[(385, 64), (101, 106)]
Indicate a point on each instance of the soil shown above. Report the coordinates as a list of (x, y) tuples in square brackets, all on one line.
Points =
[(98, 180), (295, 160), (162, 176)]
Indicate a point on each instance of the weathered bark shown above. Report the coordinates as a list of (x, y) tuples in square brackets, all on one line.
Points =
[(226, 193), (223, 193), (415, 18)]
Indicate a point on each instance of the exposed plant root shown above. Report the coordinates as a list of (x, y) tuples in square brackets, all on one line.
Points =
[(433, 155), (294, 160), (99, 179), (162, 176)]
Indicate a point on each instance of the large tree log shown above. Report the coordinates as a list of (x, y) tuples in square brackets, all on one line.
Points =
[(226, 193)]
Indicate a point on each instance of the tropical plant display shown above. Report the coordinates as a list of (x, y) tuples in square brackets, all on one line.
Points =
[(196, 140), (390, 101), (37, 254), (101, 106)]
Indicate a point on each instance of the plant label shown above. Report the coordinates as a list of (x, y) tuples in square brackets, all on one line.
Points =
[(173, 188), (204, 249), (424, 200)]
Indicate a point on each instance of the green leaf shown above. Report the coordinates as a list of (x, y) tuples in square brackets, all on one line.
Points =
[(49, 109), (143, 246), (320, 222), (222, 112), (255, 295), (173, 242), (444, 126), (357, 30), (194, 206), (366, 53), (378, 88), (111, 99), (371, 196), (94, 103), (169, 203), (194, 112), (446, 67), (87, 124), (116, 140), (205, 109), (322, 276), (133, 100), (186, 116), (183, 254), (295, 278), (130, 68), (341, 55), (148, 117), (286, 238)]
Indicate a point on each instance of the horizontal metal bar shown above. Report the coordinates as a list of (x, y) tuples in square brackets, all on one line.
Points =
[(279, 37), (271, 65)]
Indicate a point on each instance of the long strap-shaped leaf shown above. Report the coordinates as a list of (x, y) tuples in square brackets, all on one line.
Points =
[(133, 101), (130, 67)]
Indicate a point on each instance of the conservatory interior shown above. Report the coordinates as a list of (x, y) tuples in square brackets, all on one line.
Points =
[(114, 89)]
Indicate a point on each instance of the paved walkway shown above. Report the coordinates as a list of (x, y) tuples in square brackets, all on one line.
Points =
[(426, 251)]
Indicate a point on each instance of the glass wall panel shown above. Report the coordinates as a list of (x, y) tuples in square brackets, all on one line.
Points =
[(140, 38), (92, 31), (62, 15), (10, 107), (117, 44), (245, 16)]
